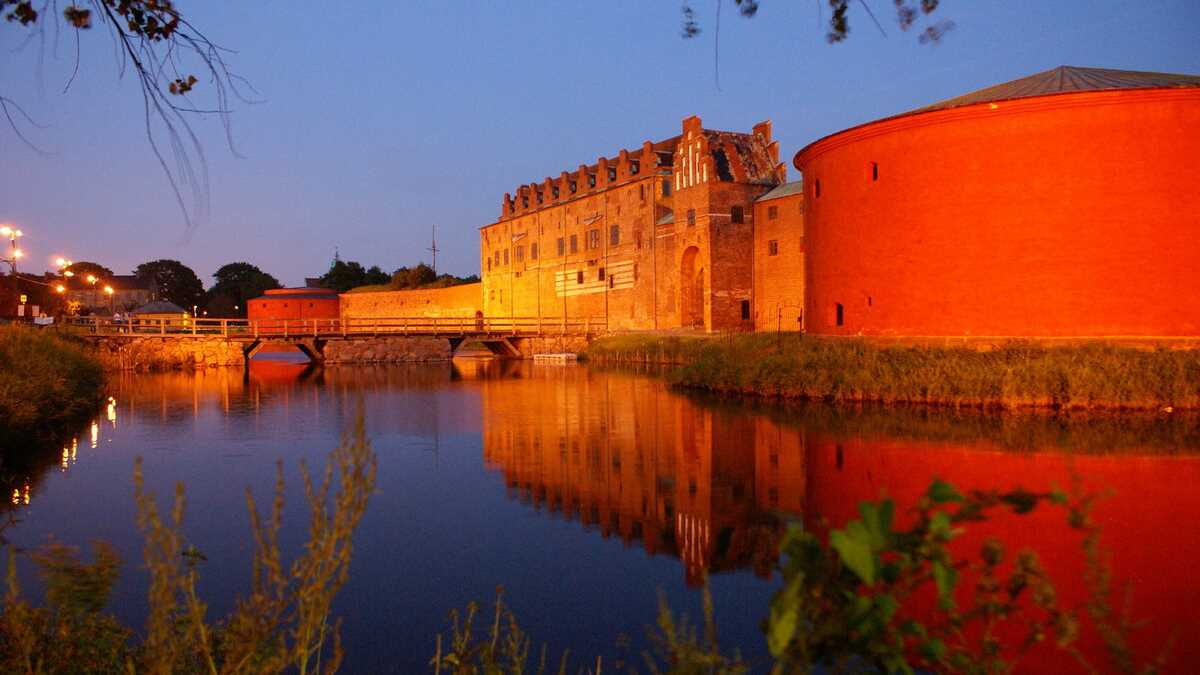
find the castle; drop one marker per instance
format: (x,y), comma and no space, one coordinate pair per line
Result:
(1060,204)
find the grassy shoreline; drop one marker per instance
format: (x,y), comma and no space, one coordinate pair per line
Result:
(1014,375)
(46,380)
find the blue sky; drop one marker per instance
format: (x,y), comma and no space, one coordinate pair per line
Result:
(381,119)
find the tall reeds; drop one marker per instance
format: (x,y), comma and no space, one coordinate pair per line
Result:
(285,624)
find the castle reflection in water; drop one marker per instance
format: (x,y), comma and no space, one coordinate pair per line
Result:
(626,457)
(715,484)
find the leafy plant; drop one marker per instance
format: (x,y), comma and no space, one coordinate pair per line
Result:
(283,625)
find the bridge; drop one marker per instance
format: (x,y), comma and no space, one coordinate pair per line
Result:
(224,341)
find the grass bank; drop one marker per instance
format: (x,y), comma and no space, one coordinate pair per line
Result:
(46,379)
(1017,374)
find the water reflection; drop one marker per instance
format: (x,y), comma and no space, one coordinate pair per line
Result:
(628,458)
(695,486)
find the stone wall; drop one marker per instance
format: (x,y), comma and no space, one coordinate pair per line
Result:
(155,353)
(779,263)
(454,301)
(387,350)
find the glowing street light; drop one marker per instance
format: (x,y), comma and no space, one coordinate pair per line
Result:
(91,279)
(13,234)
(60,288)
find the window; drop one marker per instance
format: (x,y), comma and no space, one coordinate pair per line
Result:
(666,188)
(533,251)
(772,212)
(579,278)
(489,266)
(505,256)
(562,246)
(574,243)
(637,239)
(745,310)
(736,215)
(841,314)
(611,280)
(817,187)
(641,192)
(591,180)
(593,240)
(519,253)
(614,235)
(497,257)
(874,171)
(600,274)
(501,295)
(691,216)
(574,186)
(634,167)
(773,247)
(612,174)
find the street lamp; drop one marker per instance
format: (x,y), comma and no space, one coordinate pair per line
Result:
(109,291)
(13,234)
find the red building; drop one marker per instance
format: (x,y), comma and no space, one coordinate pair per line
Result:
(1061,204)
(293,304)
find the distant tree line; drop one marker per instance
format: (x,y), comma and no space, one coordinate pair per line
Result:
(344,276)
(236,283)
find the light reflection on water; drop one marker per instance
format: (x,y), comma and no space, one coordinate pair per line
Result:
(584,492)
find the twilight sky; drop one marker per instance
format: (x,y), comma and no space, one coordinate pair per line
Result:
(381,120)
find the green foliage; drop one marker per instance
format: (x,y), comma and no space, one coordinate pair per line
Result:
(172,281)
(47,380)
(1016,374)
(848,605)
(283,625)
(413,277)
(506,649)
(72,634)
(907,14)
(343,276)
(854,602)
(236,283)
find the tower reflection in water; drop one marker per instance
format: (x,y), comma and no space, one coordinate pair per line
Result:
(714,485)
(628,458)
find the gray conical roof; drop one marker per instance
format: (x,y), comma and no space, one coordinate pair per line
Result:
(1067,80)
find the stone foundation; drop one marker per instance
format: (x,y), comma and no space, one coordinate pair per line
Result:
(573,344)
(387,350)
(155,353)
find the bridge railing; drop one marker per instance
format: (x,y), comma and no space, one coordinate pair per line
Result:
(297,328)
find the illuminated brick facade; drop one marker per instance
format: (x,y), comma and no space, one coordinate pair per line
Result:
(632,242)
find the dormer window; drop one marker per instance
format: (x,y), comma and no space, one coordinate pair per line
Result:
(612,174)
(591,181)
(574,187)
(634,167)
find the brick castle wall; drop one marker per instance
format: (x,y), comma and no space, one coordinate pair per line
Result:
(463,300)
(779,263)
(613,241)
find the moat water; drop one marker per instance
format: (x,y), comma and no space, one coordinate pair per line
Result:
(586,494)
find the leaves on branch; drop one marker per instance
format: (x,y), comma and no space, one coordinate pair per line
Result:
(78,17)
(907,14)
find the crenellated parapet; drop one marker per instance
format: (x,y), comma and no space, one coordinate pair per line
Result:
(607,172)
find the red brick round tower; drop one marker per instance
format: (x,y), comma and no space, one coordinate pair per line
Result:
(1066,203)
